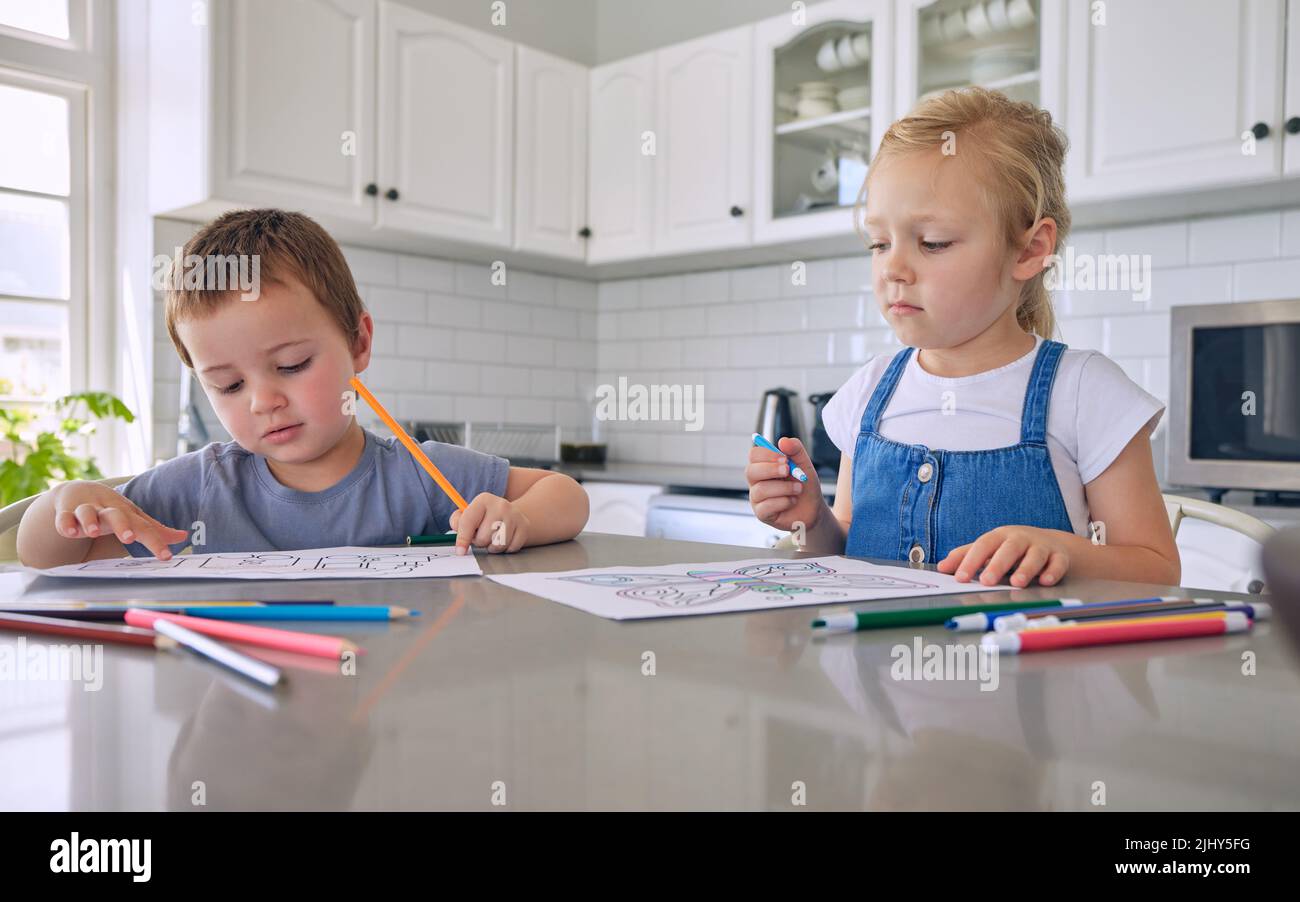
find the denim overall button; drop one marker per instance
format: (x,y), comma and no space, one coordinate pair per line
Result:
(925,472)
(917,554)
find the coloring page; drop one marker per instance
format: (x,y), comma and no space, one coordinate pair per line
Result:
(346,562)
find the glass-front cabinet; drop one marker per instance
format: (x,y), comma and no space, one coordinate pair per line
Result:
(823,89)
(1014,46)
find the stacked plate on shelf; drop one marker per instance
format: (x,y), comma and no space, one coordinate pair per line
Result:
(815,98)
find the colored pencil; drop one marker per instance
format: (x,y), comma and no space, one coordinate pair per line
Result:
(55,626)
(418,453)
(284,640)
(252,668)
(1145,630)
(306,612)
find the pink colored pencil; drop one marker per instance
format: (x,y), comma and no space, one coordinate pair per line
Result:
(263,636)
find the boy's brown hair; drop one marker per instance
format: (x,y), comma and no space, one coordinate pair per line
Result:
(289,246)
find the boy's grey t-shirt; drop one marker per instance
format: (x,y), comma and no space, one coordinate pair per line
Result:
(385,498)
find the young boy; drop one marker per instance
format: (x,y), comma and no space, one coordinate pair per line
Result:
(301,472)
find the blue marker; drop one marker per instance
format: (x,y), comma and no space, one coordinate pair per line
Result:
(794,471)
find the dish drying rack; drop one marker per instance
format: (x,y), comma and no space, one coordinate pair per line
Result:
(522,444)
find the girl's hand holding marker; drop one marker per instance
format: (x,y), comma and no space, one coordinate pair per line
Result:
(783,485)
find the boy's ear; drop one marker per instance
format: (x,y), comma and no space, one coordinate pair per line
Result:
(362,343)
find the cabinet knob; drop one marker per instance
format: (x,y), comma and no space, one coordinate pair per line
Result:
(736,211)
(391,194)
(584,232)
(372,189)
(1260,130)
(1293,125)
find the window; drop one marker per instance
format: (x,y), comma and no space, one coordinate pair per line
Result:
(39,211)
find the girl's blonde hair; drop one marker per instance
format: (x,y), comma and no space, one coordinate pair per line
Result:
(1017,156)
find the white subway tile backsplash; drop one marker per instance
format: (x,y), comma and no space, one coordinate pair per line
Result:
(395,305)
(756,283)
(530,351)
(853,274)
(425,273)
(1165,242)
(1291,233)
(1266,281)
(577,294)
(423,341)
(1136,336)
(368,266)
(449,344)
(451,312)
(700,288)
(661,291)
(530,288)
(621,295)
(1229,239)
(481,280)
(806,278)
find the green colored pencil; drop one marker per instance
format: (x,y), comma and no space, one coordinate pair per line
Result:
(879,620)
(445,538)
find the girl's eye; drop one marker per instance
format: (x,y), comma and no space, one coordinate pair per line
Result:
(231,389)
(875,246)
(297,367)
(935,245)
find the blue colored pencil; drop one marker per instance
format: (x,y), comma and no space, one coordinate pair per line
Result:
(306,612)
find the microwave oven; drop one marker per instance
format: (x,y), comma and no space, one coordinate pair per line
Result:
(1234,397)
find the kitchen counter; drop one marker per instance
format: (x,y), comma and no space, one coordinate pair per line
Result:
(493,686)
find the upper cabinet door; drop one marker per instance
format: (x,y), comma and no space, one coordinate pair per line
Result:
(296,129)
(811,154)
(704,142)
(622,169)
(551,159)
(1150,116)
(1291,112)
(446,128)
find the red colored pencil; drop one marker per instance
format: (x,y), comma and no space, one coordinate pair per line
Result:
(1137,631)
(129,635)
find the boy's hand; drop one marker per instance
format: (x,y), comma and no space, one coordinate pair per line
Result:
(1040,552)
(490,522)
(778,498)
(88,510)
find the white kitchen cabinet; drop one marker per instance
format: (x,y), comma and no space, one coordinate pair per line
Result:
(809,166)
(446,128)
(622,173)
(551,155)
(619,507)
(703,99)
(1023,58)
(1291,110)
(236,120)
(1157,116)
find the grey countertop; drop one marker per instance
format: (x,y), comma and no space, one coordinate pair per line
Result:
(492,691)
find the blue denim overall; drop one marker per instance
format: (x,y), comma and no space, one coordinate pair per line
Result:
(911,502)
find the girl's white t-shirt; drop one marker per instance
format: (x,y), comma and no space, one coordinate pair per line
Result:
(1094,411)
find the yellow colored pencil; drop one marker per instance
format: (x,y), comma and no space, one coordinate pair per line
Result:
(421,458)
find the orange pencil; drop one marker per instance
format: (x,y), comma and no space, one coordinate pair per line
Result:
(421,458)
(285,640)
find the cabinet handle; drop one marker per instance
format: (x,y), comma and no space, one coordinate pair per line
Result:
(584,232)
(1293,125)
(736,211)
(1260,130)
(391,194)
(372,189)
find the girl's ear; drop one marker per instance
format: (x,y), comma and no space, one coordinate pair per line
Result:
(1039,244)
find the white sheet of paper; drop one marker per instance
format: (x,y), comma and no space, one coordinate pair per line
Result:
(674,590)
(344,562)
